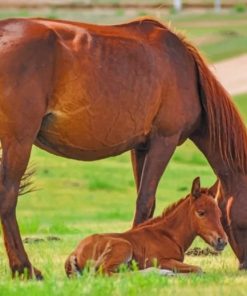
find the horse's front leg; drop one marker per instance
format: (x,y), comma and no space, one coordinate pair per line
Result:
(236,209)
(158,155)
(15,156)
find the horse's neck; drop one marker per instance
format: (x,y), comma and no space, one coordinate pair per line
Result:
(178,225)
(234,183)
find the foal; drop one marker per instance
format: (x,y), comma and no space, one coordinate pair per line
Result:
(162,240)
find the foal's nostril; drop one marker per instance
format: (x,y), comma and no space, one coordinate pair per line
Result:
(221,242)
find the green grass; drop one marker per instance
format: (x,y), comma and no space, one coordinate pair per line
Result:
(75,199)
(78,198)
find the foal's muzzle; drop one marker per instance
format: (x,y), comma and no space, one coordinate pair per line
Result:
(219,244)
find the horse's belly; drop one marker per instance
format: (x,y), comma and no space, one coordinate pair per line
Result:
(86,136)
(102,104)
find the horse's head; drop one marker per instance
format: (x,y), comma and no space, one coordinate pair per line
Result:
(206,215)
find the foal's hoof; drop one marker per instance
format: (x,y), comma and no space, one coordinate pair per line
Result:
(198,270)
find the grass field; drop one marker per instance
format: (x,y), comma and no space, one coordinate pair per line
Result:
(76,199)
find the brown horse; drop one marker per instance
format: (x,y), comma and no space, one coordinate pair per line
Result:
(88,92)
(162,240)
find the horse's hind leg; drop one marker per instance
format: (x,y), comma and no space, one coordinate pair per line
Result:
(137,158)
(158,155)
(14,162)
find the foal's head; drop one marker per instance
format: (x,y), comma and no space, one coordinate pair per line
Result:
(205,215)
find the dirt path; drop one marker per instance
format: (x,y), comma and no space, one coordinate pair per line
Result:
(232,74)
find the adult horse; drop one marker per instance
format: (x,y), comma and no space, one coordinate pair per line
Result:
(88,92)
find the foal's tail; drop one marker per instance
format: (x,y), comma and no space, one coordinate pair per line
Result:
(224,125)
(71,266)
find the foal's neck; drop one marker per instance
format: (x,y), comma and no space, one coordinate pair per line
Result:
(179,226)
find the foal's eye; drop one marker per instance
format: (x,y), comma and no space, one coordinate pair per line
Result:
(201,213)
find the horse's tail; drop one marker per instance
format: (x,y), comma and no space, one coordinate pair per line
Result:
(71,266)
(224,125)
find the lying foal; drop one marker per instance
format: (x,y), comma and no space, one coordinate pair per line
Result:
(162,240)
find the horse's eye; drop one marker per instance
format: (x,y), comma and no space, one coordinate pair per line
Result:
(201,213)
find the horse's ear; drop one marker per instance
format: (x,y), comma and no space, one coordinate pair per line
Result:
(196,188)
(215,189)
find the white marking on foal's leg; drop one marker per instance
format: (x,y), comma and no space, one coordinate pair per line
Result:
(165,272)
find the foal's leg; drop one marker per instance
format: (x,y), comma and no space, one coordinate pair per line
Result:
(178,266)
(159,153)
(14,162)
(118,251)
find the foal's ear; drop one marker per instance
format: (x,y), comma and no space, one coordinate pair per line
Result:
(196,188)
(215,189)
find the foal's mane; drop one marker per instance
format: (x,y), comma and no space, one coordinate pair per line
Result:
(169,210)
(224,125)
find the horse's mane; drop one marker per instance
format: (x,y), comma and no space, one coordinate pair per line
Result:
(224,125)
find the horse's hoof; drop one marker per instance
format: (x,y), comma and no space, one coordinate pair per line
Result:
(243,266)
(37,274)
(26,273)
